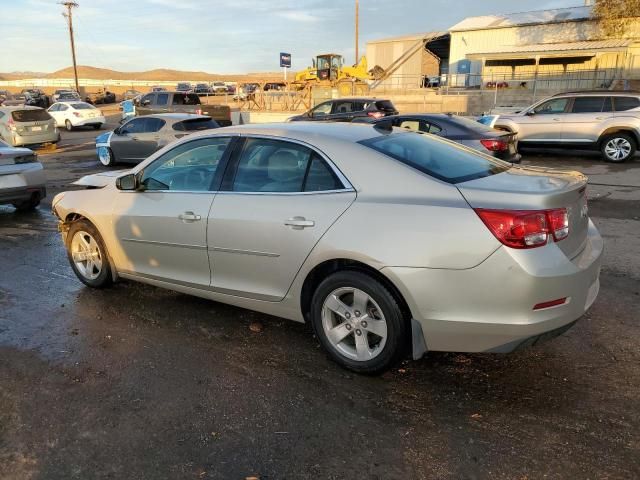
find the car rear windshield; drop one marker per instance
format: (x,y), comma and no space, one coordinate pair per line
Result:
(38,115)
(186,99)
(385,106)
(82,106)
(436,157)
(195,124)
(469,124)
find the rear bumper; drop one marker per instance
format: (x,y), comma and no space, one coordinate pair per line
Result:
(490,307)
(20,182)
(24,140)
(80,122)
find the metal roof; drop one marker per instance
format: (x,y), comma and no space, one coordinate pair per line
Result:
(557,15)
(558,47)
(415,37)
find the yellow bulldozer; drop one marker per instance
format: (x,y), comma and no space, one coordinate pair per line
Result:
(329,69)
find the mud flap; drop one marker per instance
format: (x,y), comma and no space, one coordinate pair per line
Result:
(418,345)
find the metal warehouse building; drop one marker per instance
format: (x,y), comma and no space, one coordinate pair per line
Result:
(550,45)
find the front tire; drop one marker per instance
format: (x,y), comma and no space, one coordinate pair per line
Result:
(88,255)
(68,126)
(618,147)
(106,157)
(358,322)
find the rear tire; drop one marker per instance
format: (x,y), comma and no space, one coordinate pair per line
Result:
(27,205)
(97,126)
(618,147)
(358,322)
(68,126)
(87,255)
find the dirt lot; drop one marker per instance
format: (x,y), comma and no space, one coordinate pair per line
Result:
(135,382)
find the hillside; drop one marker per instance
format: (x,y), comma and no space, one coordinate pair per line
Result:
(160,74)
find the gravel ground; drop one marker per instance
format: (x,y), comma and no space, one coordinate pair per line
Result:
(137,382)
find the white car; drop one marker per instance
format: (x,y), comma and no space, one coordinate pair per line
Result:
(76,114)
(22,179)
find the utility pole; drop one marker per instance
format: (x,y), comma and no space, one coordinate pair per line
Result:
(69,16)
(357,19)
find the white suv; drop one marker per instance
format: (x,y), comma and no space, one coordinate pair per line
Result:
(608,121)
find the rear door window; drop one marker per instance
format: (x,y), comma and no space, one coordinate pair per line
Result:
(163,99)
(342,107)
(587,105)
(435,157)
(186,99)
(30,115)
(153,124)
(625,103)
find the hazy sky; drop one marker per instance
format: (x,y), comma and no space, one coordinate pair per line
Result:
(219,36)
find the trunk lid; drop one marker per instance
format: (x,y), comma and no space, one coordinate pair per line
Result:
(535,188)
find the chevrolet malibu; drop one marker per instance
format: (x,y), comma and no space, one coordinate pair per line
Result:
(387,241)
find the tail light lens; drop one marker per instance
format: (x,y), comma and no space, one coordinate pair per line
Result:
(495,145)
(12,125)
(198,111)
(76,114)
(376,114)
(526,228)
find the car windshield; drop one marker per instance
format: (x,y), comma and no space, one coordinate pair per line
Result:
(82,106)
(36,115)
(436,157)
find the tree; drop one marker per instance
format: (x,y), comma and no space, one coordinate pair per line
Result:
(615,16)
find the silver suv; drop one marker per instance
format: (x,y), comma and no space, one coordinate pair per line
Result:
(608,121)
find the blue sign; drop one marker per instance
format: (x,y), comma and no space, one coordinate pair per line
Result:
(285,60)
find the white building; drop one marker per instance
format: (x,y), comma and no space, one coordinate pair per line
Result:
(556,45)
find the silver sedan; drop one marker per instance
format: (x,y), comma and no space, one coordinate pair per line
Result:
(387,242)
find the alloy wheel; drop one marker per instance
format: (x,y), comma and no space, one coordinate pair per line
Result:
(86,255)
(617,149)
(354,324)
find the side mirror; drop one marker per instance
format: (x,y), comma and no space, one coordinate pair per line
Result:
(128,182)
(530,113)
(118,131)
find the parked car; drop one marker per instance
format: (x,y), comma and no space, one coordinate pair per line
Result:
(158,89)
(202,88)
(181,102)
(4,94)
(346,109)
(384,241)
(219,87)
(274,86)
(38,97)
(101,96)
(184,87)
(17,99)
(66,93)
(140,137)
(22,180)
(24,125)
(76,114)
(606,121)
(461,130)
(131,94)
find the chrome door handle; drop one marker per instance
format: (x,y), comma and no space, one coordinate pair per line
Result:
(601,118)
(189,217)
(298,223)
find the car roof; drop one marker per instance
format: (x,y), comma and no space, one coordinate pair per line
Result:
(590,93)
(176,116)
(309,132)
(11,108)
(366,99)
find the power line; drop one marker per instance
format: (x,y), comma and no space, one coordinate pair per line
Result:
(69,16)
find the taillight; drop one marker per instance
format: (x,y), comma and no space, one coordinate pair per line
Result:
(12,125)
(495,145)
(76,114)
(198,111)
(375,114)
(526,228)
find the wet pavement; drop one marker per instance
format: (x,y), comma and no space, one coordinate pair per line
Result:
(135,382)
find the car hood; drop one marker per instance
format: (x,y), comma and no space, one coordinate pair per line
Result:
(100,179)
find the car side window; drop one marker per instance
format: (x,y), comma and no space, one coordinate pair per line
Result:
(320,177)
(133,126)
(625,103)
(608,105)
(343,107)
(322,109)
(587,105)
(552,107)
(153,124)
(54,108)
(63,107)
(188,167)
(163,99)
(410,125)
(431,128)
(148,98)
